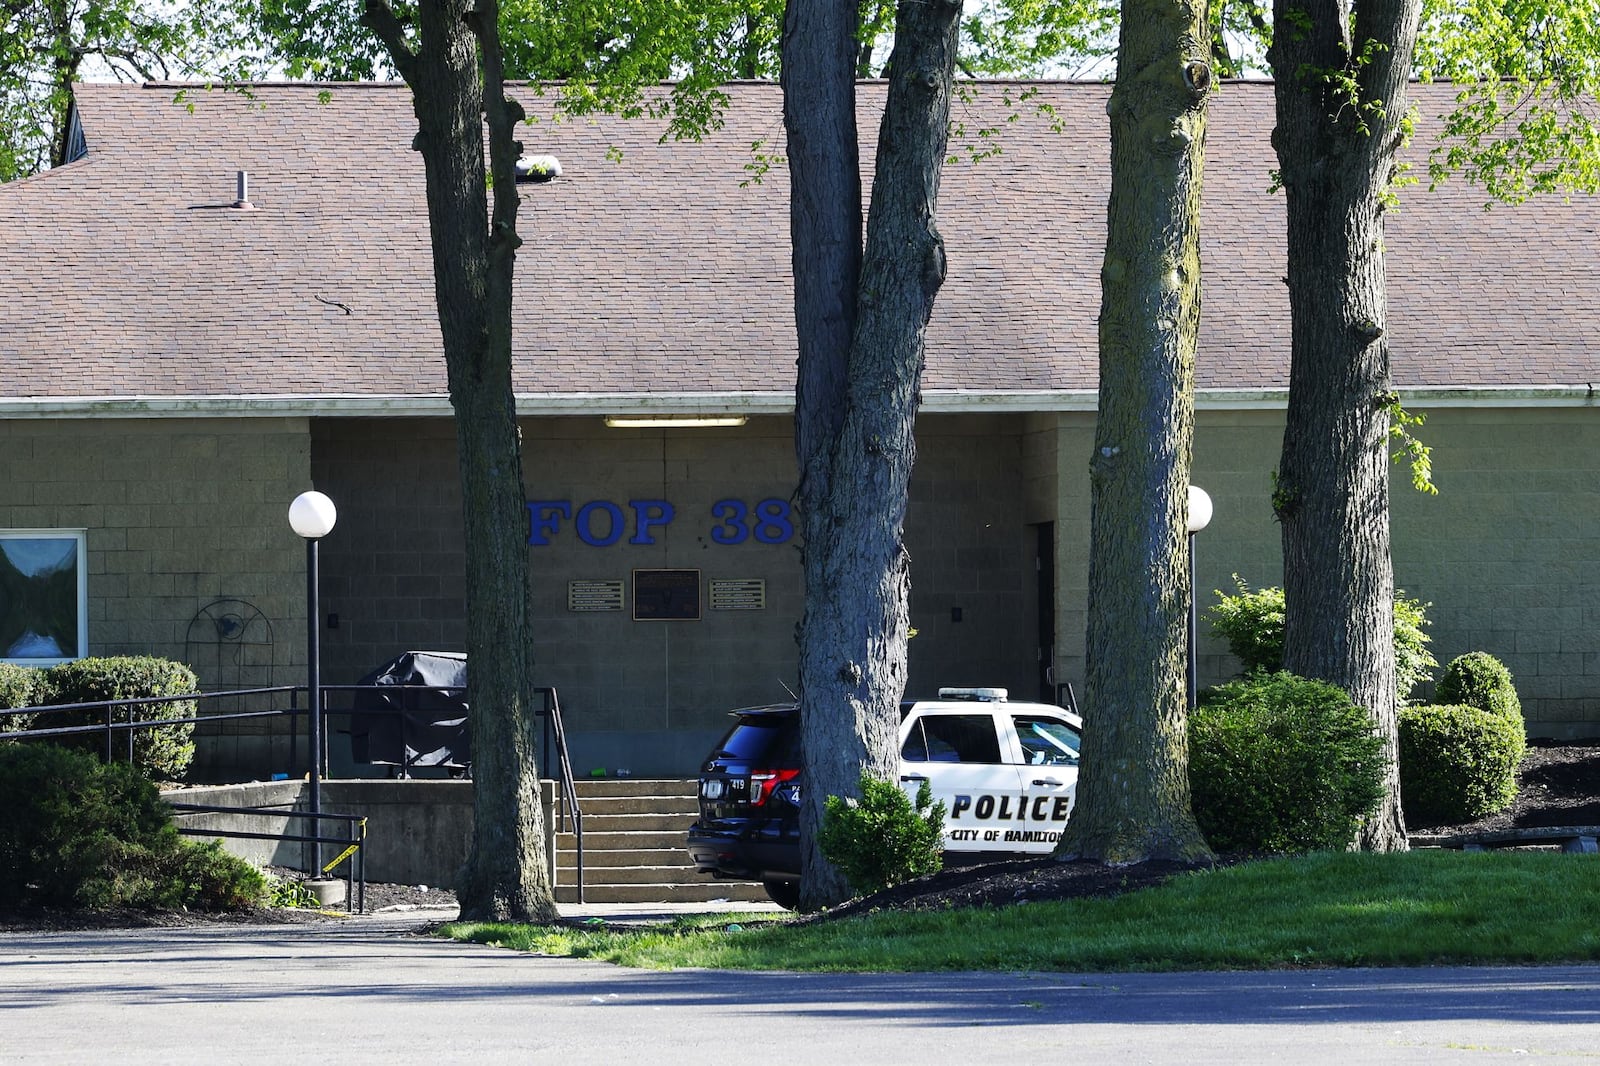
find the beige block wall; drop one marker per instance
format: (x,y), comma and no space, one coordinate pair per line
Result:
(649,692)
(180,514)
(1507,554)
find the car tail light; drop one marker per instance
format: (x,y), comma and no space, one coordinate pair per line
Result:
(762,782)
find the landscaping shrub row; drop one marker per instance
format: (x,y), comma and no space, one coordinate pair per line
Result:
(1282,764)
(161,753)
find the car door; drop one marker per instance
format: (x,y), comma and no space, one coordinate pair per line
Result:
(1046,745)
(959,753)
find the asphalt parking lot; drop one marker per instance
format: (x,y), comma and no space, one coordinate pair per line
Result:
(371,989)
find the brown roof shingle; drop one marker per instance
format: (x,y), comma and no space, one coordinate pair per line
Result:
(129,273)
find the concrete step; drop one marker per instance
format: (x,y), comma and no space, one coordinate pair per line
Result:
(629,875)
(593,860)
(701,892)
(677,805)
(594,822)
(630,840)
(635,786)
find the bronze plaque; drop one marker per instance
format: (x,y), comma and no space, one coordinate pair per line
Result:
(666,595)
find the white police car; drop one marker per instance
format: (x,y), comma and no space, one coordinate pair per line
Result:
(1006,773)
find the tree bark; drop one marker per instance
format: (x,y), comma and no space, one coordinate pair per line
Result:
(1133,786)
(456,81)
(819,114)
(854,430)
(1340,90)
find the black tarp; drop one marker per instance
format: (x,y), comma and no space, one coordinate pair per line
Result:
(416,715)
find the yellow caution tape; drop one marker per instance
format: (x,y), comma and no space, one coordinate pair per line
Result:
(341,857)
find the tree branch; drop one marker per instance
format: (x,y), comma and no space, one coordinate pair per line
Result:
(379,17)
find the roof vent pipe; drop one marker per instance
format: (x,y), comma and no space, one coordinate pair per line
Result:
(243,200)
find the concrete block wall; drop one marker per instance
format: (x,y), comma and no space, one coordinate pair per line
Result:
(179,513)
(1507,554)
(652,696)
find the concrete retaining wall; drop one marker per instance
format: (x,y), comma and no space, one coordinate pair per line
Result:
(418,832)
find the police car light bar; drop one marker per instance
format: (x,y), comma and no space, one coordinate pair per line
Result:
(986,695)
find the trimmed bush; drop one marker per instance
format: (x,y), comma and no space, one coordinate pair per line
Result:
(17,687)
(1457,762)
(1482,681)
(75,832)
(1281,764)
(1252,624)
(162,753)
(881,839)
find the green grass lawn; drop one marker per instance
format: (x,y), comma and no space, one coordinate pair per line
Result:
(1337,909)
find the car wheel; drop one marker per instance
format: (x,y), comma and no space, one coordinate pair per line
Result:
(784,893)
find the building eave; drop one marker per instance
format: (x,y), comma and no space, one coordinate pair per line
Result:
(532,405)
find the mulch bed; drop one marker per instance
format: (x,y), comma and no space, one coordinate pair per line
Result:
(1559,786)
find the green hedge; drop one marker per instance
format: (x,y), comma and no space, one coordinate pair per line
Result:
(1457,762)
(162,753)
(1479,679)
(75,832)
(18,685)
(1279,763)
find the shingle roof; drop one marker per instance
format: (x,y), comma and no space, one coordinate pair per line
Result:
(129,273)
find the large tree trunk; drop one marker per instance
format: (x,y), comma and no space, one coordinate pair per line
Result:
(505,877)
(854,431)
(1133,787)
(1338,127)
(819,112)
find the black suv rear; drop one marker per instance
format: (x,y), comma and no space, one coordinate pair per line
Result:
(749,825)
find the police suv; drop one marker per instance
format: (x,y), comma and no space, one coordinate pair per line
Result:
(1006,773)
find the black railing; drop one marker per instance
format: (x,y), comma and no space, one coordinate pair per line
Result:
(119,720)
(353,857)
(555,738)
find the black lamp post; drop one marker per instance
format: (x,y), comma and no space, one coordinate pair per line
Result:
(312,516)
(1199,518)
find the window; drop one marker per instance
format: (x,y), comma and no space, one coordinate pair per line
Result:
(1046,741)
(44,596)
(952,738)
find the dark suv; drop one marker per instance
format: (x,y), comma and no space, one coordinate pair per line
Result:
(1005,772)
(749,825)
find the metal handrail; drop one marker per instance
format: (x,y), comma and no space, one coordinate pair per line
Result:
(554,728)
(569,788)
(355,877)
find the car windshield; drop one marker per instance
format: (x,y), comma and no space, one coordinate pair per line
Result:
(1046,741)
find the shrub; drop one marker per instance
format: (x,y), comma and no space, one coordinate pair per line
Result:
(1278,763)
(17,689)
(75,832)
(162,753)
(1482,681)
(881,839)
(1252,624)
(1457,762)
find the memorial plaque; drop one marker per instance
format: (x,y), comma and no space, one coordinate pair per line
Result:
(666,595)
(594,595)
(739,594)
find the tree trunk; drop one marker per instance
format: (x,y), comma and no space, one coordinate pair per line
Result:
(855,480)
(819,113)
(1133,786)
(505,877)
(1338,127)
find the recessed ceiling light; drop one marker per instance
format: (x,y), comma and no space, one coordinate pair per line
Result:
(674,421)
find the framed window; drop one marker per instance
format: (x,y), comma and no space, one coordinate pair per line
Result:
(44,596)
